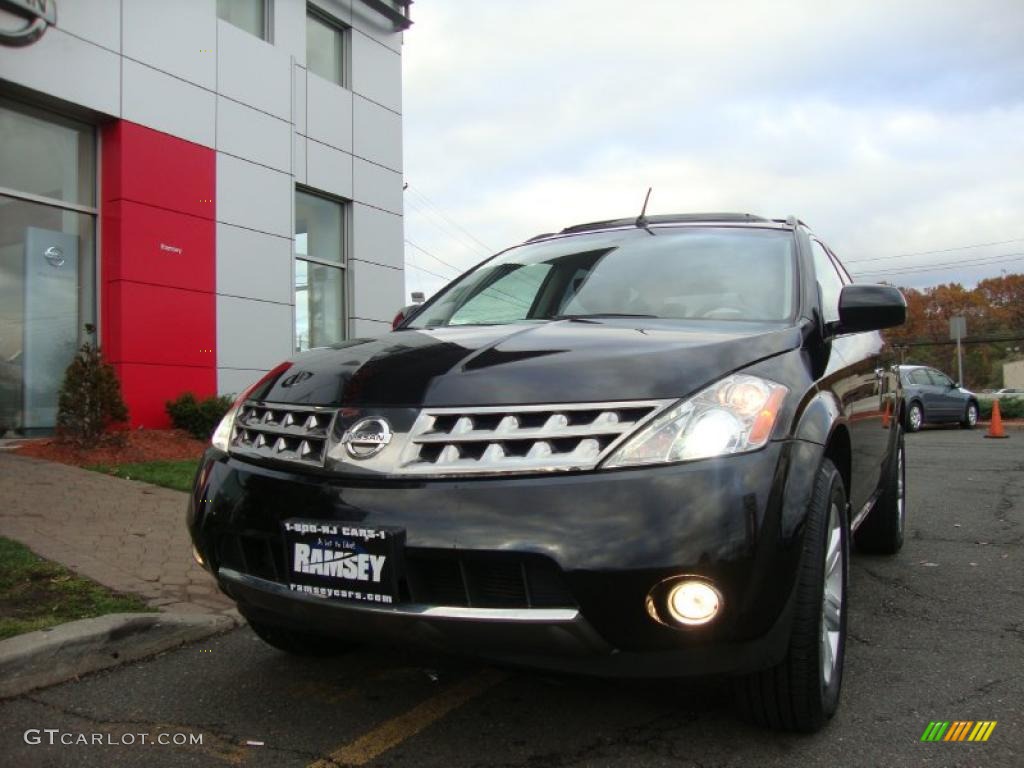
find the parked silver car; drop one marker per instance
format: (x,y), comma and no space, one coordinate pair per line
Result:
(932,397)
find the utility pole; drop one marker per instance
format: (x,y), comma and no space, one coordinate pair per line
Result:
(957,330)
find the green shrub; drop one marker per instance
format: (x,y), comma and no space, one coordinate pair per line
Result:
(198,417)
(1009,407)
(90,399)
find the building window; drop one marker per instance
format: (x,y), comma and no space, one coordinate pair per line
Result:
(319,271)
(326,47)
(251,15)
(47,261)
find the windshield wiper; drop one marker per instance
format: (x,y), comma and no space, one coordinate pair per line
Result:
(598,316)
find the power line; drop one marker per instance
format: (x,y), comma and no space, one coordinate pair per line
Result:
(983,261)
(442,214)
(432,219)
(458,270)
(928,253)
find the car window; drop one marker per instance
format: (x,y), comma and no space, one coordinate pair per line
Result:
(829,280)
(939,379)
(505,300)
(687,273)
(919,376)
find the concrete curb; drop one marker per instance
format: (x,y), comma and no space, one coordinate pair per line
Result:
(51,656)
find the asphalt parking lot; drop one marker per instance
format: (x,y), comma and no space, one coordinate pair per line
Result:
(936,633)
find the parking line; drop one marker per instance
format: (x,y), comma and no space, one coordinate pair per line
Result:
(393,732)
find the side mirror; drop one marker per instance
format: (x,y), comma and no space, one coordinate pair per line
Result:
(870,308)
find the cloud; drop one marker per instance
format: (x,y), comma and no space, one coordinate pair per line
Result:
(890,129)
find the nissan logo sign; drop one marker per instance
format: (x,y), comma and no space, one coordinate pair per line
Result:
(22,22)
(367,438)
(54,256)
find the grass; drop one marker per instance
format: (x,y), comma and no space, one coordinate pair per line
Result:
(170,474)
(36,593)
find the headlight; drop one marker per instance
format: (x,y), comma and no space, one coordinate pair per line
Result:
(733,415)
(221,439)
(222,434)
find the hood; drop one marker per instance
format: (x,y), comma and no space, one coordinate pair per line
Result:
(553,362)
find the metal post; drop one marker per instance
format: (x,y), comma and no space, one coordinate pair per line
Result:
(959,362)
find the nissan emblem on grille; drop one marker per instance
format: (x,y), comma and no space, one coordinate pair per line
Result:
(367,438)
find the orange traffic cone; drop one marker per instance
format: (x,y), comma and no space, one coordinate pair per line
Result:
(886,417)
(995,427)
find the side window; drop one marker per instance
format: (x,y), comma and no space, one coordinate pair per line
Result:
(506,300)
(939,379)
(920,377)
(829,280)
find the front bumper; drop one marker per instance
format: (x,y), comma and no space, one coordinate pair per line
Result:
(612,535)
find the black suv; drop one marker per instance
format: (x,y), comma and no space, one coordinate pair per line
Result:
(628,448)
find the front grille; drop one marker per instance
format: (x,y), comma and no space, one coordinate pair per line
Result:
(432,577)
(520,438)
(293,433)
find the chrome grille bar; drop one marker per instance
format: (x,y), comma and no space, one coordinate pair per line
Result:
(534,438)
(283,432)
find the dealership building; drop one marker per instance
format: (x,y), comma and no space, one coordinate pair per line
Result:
(203,187)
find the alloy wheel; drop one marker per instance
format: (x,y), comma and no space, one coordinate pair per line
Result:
(916,418)
(832,597)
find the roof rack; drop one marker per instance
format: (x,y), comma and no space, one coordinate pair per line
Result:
(666,218)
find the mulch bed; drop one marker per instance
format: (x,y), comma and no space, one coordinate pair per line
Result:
(128,447)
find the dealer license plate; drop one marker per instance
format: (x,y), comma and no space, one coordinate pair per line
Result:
(345,561)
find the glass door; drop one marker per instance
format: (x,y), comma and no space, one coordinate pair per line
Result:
(47,259)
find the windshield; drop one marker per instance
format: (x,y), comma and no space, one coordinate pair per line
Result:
(713,273)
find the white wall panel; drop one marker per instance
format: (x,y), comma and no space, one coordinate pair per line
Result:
(167,104)
(290,28)
(377,291)
(329,112)
(253,265)
(376,186)
(178,38)
(98,21)
(253,135)
(374,25)
(249,195)
(362,329)
(47,64)
(234,381)
(253,71)
(376,72)
(299,163)
(377,236)
(328,169)
(252,334)
(299,98)
(377,134)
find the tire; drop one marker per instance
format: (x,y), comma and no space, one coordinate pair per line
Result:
(299,643)
(802,692)
(970,420)
(883,531)
(915,417)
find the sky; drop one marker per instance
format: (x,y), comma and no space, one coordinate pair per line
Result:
(891,128)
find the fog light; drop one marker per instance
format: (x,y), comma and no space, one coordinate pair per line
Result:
(693,602)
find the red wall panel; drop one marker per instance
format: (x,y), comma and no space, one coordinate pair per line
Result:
(157,169)
(155,245)
(147,387)
(158,310)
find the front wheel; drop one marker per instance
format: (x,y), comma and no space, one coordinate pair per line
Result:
(915,417)
(970,420)
(802,692)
